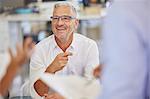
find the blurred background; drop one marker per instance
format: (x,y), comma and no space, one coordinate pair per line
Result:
(22,18)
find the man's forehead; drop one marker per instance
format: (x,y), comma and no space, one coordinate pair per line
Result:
(63,10)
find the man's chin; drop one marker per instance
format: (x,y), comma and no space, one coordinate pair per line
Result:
(62,37)
(61,31)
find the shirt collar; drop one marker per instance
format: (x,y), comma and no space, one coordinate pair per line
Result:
(72,46)
(74,42)
(54,44)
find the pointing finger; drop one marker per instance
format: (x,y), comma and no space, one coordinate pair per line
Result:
(67,54)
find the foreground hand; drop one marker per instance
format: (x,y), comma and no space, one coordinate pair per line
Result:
(53,96)
(97,71)
(22,52)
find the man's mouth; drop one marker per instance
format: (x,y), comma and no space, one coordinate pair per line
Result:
(60,29)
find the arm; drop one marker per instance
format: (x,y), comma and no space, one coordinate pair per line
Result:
(124,72)
(16,61)
(36,69)
(40,87)
(58,64)
(8,78)
(92,60)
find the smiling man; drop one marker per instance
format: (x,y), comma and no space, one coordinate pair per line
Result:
(63,53)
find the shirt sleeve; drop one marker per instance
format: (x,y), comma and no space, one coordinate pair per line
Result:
(92,60)
(36,69)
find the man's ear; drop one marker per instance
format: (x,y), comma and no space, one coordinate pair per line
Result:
(76,23)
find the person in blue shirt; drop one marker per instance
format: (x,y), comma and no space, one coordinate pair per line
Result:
(126,46)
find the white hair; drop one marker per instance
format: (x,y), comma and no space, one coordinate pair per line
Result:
(68,4)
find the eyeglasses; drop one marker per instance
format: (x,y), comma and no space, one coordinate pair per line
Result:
(63,18)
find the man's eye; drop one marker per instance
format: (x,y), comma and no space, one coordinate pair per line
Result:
(55,18)
(66,18)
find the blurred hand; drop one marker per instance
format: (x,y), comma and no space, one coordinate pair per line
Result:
(23,52)
(53,96)
(60,61)
(97,71)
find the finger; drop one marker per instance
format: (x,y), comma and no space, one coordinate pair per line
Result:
(51,96)
(31,50)
(63,63)
(10,53)
(33,45)
(64,58)
(28,45)
(67,54)
(58,96)
(48,98)
(60,55)
(97,71)
(19,49)
(27,42)
(45,95)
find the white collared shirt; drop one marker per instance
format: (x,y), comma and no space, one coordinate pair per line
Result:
(84,59)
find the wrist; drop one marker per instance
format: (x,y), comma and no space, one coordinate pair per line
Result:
(13,64)
(50,69)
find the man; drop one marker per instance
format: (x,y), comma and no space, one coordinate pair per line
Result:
(64,53)
(22,54)
(126,72)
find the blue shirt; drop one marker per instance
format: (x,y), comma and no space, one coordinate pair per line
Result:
(126,39)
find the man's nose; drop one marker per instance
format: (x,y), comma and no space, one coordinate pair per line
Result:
(60,21)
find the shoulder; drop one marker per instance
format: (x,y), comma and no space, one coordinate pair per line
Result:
(42,48)
(45,42)
(83,39)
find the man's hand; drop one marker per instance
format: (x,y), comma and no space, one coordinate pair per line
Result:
(53,96)
(59,62)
